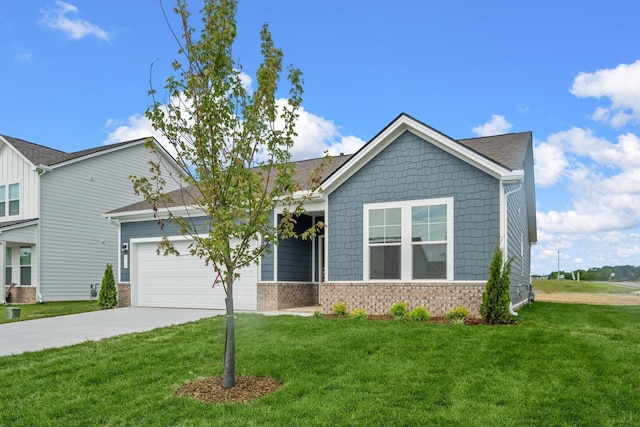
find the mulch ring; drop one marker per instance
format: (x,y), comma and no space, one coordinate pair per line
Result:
(247,389)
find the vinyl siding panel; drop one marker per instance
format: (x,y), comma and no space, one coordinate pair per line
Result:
(76,241)
(411,168)
(14,169)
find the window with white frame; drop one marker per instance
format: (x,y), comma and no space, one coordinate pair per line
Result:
(8,275)
(410,240)
(25,265)
(9,200)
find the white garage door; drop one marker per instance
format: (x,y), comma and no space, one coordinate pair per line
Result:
(184,281)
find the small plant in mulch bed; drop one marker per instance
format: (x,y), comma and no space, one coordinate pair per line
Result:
(458,315)
(419,314)
(399,310)
(340,309)
(359,313)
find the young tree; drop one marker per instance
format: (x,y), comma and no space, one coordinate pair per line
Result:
(234,145)
(495,298)
(108,297)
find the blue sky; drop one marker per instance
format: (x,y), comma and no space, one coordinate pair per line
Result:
(75,75)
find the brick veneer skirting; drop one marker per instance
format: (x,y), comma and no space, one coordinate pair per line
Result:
(377,298)
(276,296)
(22,295)
(124,294)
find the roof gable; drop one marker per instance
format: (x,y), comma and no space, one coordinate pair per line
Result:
(500,158)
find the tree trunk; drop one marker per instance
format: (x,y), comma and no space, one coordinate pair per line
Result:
(230,342)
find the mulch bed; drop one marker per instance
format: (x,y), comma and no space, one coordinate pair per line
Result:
(247,389)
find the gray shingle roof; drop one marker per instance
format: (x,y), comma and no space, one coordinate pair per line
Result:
(508,150)
(303,169)
(41,155)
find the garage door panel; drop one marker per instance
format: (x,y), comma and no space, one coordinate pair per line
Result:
(184,281)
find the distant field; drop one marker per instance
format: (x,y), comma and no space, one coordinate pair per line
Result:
(560,286)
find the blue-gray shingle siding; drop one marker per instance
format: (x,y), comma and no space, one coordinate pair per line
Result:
(411,168)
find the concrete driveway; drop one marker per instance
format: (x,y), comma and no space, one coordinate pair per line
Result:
(39,334)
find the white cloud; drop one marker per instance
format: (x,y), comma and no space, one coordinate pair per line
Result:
(315,135)
(496,126)
(24,58)
(58,18)
(621,85)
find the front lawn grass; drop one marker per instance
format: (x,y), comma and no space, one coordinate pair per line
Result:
(48,309)
(563,286)
(560,365)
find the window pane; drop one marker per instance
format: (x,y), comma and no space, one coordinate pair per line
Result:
(3,194)
(420,233)
(393,216)
(25,256)
(394,234)
(384,262)
(437,232)
(376,217)
(14,207)
(420,214)
(2,208)
(14,191)
(376,234)
(430,261)
(8,256)
(438,213)
(25,275)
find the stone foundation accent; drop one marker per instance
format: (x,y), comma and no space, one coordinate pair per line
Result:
(281,295)
(124,295)
(22,295)
(377,298)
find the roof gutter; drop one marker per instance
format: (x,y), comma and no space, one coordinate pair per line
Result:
(42,169)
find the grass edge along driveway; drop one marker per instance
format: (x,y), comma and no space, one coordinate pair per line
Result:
(560,365)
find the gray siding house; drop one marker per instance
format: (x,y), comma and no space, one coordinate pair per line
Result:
(54,242)
(413,216)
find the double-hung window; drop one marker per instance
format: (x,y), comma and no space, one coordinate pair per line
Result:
(25,265)
(410,240)
(9,200)
(8,274)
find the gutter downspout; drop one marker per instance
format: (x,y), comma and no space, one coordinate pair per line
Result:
(506,231)
(41,170)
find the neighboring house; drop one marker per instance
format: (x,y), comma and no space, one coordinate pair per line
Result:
(54,243)
(413,216)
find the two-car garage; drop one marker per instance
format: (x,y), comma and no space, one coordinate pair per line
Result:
(183,281)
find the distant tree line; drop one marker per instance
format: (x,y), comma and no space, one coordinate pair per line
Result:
(619,273)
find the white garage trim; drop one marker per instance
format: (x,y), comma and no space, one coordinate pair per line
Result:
(183,281)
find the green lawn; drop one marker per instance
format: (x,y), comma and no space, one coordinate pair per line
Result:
(561,365)
(48,309)
(560,286)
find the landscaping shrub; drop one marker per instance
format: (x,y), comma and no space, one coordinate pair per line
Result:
(108,297)
(340,309)
(495,298)
(399,310)
(457,313)
(419,314)
(359,313)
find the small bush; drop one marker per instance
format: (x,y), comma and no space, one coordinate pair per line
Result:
(419,314)
(399,310)
(358,313)
(458,313)
(108,297)
(317,314)
(340,309)
(494,308)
